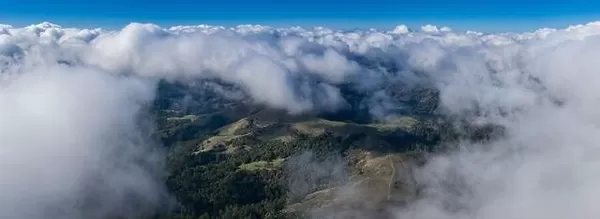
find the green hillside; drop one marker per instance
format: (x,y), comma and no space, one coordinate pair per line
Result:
(232,159)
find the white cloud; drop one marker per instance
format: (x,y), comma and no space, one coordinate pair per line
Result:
(400,29)
(60,125)
(71,145)
(430,28)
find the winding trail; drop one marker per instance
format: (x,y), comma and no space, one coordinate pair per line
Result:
(392,178)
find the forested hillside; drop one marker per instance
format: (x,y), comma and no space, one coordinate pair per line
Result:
(230,159)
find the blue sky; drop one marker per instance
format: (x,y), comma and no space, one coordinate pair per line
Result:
(493,16)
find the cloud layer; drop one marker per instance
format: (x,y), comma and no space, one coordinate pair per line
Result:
(72,147)
(72,100)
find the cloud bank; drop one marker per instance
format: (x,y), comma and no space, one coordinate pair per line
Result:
(72,146)
(72,101)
